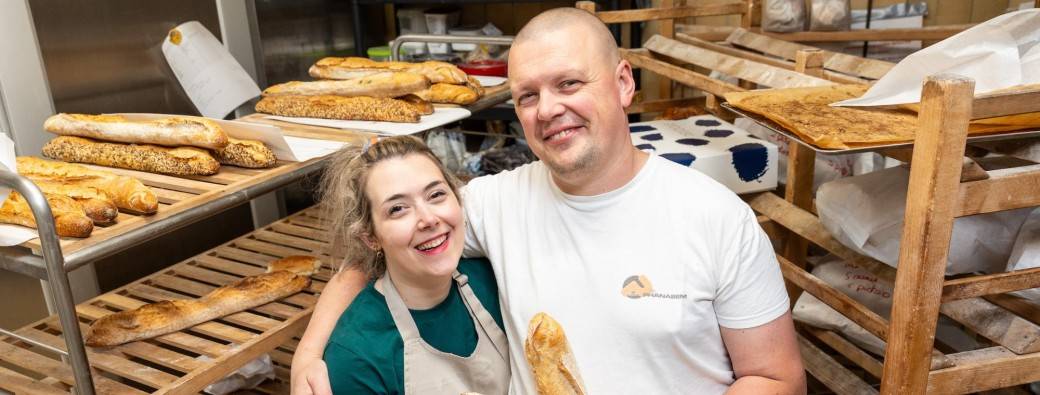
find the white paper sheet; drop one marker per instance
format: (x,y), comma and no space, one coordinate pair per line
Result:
(213,80)
(999,53)
(11,234)
(440,116)
(306,149)
(270,135)
(486,80)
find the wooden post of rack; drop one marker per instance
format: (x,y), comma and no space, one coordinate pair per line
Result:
(931,204)
(667,29)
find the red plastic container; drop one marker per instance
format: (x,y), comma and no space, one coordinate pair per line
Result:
(494,68)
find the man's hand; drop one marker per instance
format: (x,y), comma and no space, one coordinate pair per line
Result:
(766,359)
(311,379)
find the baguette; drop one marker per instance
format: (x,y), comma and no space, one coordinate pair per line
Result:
(301,265)
(449,94)
(245,153)
(69,219)
(475,85)
(383,84)
(151,158)
(333,68)
(172,131)
(168,316)
(424,107)
(337,107)
(96,204)
(128,193)
(555,370)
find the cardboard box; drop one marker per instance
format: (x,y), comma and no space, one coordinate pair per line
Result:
(724,152)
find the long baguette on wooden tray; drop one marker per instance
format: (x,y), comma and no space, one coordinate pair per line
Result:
(128,193)
(69,218)
(151,158)
(449,94)
(360,108)
(382,84)
(172,131)
(96,204)
(334,68)
(245,153)
(552,362)
(156,319)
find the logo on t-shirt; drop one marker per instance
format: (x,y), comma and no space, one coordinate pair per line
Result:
(639,286)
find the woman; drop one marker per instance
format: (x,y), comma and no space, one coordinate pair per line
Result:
(430,323)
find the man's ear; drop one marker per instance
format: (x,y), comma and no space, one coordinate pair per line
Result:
(626,83)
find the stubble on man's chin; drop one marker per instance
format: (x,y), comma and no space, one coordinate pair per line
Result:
(584,164)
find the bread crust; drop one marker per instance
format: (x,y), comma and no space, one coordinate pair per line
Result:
(69,218)
(381,84)
(550,357)
(172,131)
(151,158)
(301,265)
(156,319)
(337,107)
(245,153)
(449,94)
(128,193)
(335,68)
(96,204)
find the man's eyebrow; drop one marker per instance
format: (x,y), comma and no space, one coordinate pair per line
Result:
(401,195)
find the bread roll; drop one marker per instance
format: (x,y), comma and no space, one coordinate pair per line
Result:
(338,107)
(169,316)
(128,193)
(245,153)
(384,84)
(96,204)
(301,265)
(69,219)
(449,94)
(555,370)
(352,67)
(151,158)
(172,131)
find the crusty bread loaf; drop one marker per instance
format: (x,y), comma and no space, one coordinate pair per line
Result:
(384,84)
(169,316)
(144,157)
(352,67)
(475,85)
(301,265)
(423,106)
(128,193)
(245,153)
(69,219)
(96,204)
(449,94)
(172,131)
(338,107)
(555,370)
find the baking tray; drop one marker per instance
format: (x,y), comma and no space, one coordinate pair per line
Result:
(769,124)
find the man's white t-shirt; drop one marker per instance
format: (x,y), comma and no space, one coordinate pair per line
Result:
(640,278)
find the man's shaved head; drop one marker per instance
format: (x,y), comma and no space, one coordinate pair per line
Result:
(591,30)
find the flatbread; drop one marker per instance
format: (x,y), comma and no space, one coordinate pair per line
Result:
(807,113)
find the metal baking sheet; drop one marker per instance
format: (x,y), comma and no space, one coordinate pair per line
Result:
(769,124)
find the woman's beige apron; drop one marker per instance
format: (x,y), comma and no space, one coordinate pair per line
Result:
(430,371)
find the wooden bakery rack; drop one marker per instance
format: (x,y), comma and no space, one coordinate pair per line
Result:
(33,358)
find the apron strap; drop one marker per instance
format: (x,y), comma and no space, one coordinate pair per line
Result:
(402,317)
(486,321)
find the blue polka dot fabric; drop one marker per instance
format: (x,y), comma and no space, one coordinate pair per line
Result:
(714,147)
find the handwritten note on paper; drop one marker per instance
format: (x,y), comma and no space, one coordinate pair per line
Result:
(213,80)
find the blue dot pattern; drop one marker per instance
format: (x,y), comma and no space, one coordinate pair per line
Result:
(693,142)
(707,122)
(718,133)
(640,128)
(652,137)
(681,158)
(750,160)
(645,147)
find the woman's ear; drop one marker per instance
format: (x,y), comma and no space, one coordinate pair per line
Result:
(371,242)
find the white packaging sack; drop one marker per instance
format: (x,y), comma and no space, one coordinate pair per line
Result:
(1026,252)
(866,214)
(783,16)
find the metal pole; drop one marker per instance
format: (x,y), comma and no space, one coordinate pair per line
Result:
(870,10)
(57,278)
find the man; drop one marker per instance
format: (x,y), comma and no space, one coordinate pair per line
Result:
(662,278)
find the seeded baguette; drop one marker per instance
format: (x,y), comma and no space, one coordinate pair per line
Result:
(172,131)
(69,218)
(144,157)
(245,153)
(128,193)
(360,108)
